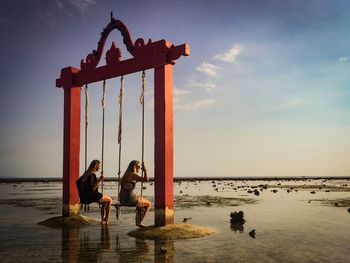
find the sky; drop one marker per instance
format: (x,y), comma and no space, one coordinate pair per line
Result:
(265,91)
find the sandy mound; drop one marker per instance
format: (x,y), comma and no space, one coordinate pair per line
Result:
(72,221)
(172,232)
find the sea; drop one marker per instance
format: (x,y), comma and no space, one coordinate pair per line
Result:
(286,220)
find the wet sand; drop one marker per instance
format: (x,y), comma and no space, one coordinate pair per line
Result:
(304,220)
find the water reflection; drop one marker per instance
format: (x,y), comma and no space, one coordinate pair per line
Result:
(78,246)
(70,244)
(164,251)
(87,245)
(237,228)
(129,253)
(106,241)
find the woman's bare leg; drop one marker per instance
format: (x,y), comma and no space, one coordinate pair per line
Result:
(106,208)
(147,205)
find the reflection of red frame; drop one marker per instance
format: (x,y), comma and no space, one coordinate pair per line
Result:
(160,56)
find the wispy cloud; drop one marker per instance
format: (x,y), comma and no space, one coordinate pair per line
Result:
(82,5)
(296,102)
(207,86)
(59,4)
(180,92)
(208,69)
(197,105)
(230,55)
(343,59)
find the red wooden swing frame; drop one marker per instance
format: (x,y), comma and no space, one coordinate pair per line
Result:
(160,56)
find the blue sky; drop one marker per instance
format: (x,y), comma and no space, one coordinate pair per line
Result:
(265,90)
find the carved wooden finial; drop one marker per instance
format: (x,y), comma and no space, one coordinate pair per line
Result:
(112,16)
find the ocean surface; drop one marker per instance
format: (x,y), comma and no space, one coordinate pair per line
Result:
(304,220)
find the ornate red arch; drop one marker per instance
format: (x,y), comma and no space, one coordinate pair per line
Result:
(160,56)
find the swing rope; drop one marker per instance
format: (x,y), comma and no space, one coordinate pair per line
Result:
(121,98)
(139,210)
(142,102)
(103,102)
(86,122)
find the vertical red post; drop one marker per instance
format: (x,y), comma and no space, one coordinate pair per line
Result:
(71,140)
(163,145)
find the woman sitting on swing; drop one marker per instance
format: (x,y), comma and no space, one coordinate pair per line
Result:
(91,192)
(127,196)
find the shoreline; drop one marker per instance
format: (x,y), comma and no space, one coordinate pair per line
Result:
(180,179)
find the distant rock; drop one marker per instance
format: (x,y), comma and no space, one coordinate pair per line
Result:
(186,219)
(252,233)
(237,217)
(274,191)
(256,192)
(312,192)
(349,210)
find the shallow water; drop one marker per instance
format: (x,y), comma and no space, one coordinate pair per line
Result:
(294,226)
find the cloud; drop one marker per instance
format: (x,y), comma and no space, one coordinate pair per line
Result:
(295,102)
(180,92)
(343,58)
(195,105)
(208,69)
(207,86)
(230,55)
(82,5)
(59,4)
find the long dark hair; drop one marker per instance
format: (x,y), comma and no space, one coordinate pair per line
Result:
(93,164)
(91,167)
(129,170)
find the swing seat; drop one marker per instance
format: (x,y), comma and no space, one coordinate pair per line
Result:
(139,209)
(85,205)
(118,204)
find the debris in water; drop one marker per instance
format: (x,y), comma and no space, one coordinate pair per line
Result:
(252,233)
(186,219)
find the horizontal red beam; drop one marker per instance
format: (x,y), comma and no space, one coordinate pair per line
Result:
(122,68)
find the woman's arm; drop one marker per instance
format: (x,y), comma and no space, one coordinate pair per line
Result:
(137,178)
(143,178)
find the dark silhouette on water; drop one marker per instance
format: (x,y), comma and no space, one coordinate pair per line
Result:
(237,221)
(252,233)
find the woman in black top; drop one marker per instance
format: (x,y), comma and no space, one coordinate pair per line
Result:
(91,193)
(128,182)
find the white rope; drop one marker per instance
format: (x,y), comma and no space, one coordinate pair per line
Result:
(120,128)
(86,121)
(103,102)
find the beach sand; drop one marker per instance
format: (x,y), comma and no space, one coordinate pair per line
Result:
(294,221)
